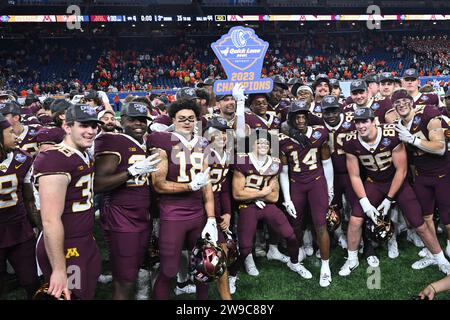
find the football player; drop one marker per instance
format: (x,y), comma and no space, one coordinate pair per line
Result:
(64,178)
(26,135)
(307,178)
(421,129)
(121,173)
(410,82)
(255,186)
(218,159)
(185,193)
(17,239)
(361,99)
(379,150)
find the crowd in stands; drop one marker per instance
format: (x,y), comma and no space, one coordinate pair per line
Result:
(138,64)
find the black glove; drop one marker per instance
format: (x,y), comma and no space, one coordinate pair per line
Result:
(301,138)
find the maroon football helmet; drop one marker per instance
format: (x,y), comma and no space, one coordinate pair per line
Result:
(208,261)
(333,218)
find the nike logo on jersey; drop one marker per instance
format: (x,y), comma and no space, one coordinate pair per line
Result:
(17,166)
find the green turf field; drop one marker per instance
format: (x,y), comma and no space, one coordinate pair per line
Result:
(398,281)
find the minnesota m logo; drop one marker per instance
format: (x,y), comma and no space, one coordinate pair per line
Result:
(72,252)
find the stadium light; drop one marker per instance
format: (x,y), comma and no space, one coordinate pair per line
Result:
(103,25)
(302,24)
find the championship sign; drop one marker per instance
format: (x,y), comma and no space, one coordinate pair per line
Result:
(241,53)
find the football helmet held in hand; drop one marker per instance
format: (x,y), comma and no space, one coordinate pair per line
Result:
(208,261)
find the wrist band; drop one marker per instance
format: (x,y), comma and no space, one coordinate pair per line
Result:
(433,288)
(390,199)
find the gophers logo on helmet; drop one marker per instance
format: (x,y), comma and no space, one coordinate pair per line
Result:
(208,261)
(382,231)
(333,218)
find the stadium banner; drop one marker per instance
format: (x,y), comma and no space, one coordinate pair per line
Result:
(241,53)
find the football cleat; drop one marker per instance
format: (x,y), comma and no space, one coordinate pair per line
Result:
(187,289)
(414,238)
(373,261)
(348,267)
(250,266)
(325,279)
(393,248)
(424,253)
(232,283)
(275,254)
(423,263)
(300,269)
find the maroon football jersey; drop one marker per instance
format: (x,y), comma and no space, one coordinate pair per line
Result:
(257,176)
(426,99)
(379,106)
(185,159)
(27,140)
(78,214)
(14,172)
(336,138)
(304,164)
(219,175)
(133,197)
(376,158)
(50,135)
(426,163)
(270,122)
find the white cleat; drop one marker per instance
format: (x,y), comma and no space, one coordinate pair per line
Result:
(187,289)
(275,254)
(414,238)
(300,269)
(424,253)
(447,251)
(325,279)
(301,254)
(373,261)
(250,266)
(445,268)
(309,250)
(348,267)
(423,263)
(393,248)
(105,278)
(318,254)
(232,283)
(342,241)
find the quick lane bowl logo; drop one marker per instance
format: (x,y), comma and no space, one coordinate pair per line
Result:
(88,109)
(346,125)
(386,74)
(222,121)
(274,167)
(417,120)
(141,108)
(385,142)
(20,158)
(190,92)
(241,53)
(409,72)
(240,48)
(375,106)
(329,99)
(316,135)
(424,98)
(356,83)
(359,112)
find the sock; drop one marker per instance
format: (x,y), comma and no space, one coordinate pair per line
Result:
(273,247)
(325,265)
(353,255)
(448,243)
(440,258)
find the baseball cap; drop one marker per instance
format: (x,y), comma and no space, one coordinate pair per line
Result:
(364,114)
(81,113)
(9,108)
(135,110)
(329,102)
(386,76)
(411,74)
(102,113)
(358,85)
(186,93)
